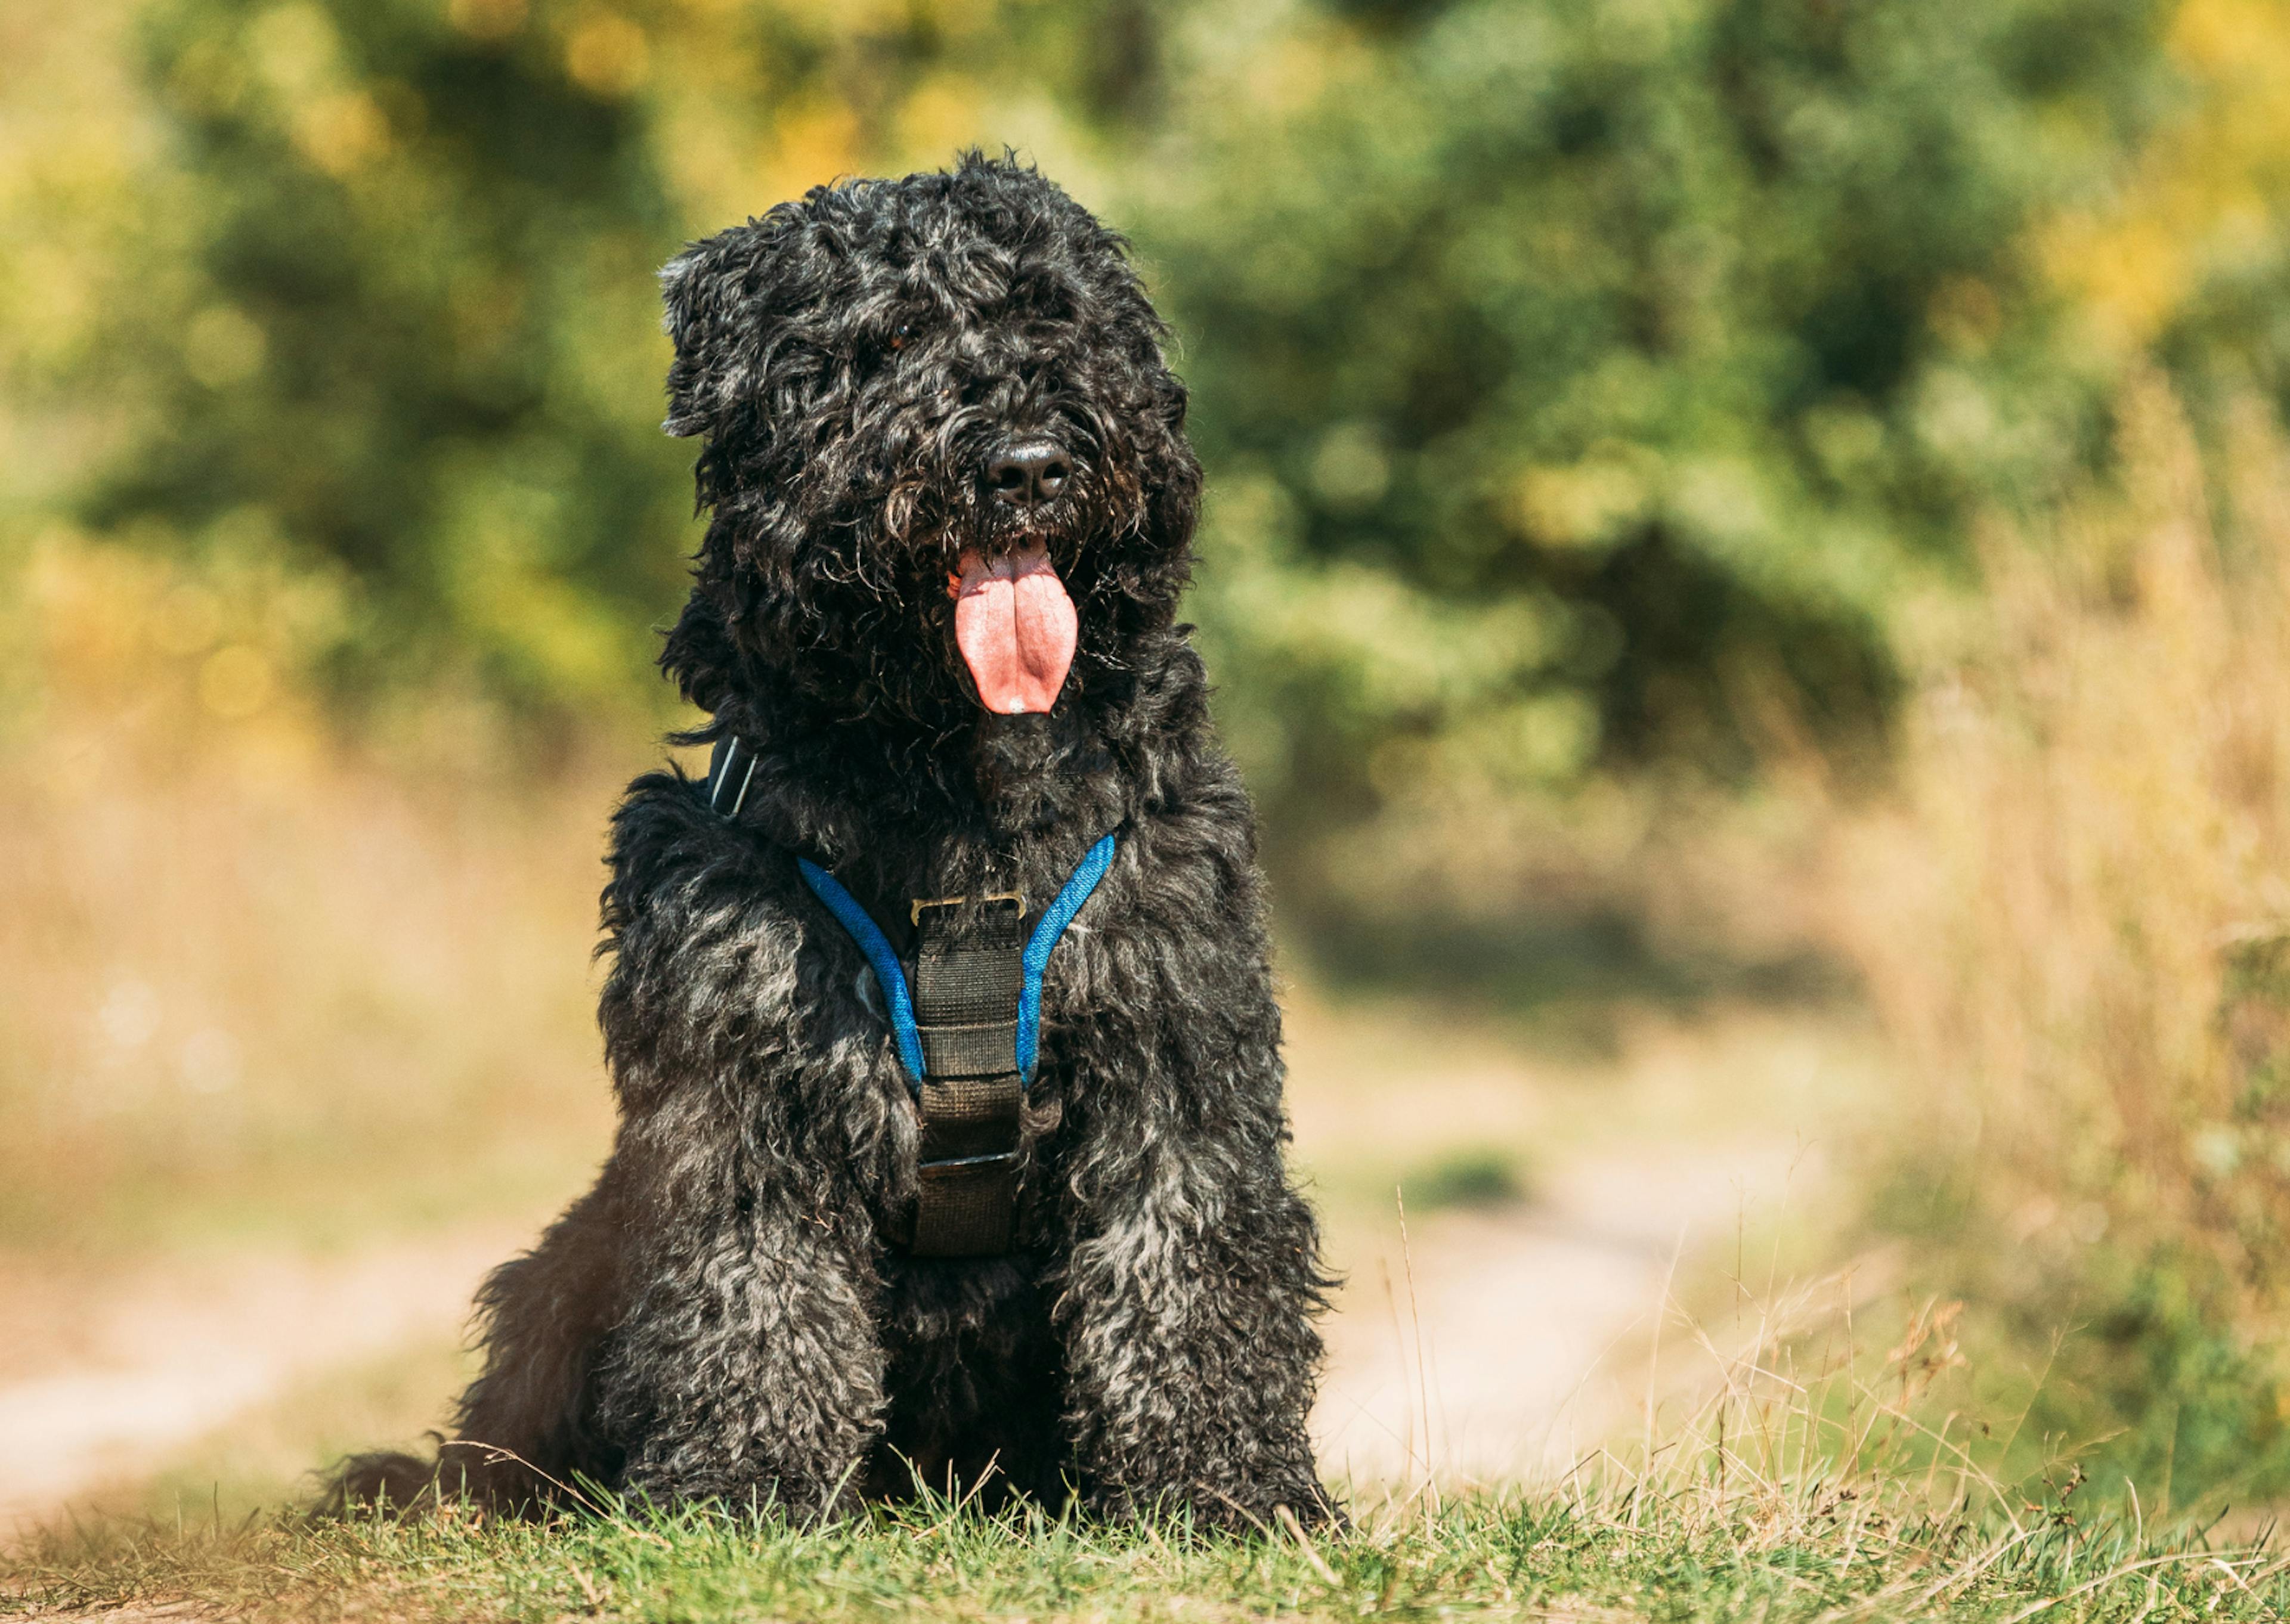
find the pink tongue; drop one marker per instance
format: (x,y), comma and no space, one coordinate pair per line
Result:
(1015,626)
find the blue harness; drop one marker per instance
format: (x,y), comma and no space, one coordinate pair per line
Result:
(967,1025)
(892,976)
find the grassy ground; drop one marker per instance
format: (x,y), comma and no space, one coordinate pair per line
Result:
(1821,1555)
(1808,1473)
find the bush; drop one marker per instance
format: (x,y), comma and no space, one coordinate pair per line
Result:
(1575,380)
(2075,925)
(1582,380)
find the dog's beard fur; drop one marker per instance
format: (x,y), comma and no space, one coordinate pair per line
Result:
(1024,765)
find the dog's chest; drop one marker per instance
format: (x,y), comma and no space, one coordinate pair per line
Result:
(961,988)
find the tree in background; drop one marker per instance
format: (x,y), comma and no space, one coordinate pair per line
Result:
(1582,381)
(403,327)
(1577,379)
(2188,261)
(414,245)
(1579,382)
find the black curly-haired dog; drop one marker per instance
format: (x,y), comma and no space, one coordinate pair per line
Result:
(976,1215)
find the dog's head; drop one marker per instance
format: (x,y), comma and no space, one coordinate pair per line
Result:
(945,457)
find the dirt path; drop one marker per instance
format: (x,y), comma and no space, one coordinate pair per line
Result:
(1494,1346)
(96,1391)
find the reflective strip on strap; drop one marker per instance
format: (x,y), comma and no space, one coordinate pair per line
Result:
(727,776)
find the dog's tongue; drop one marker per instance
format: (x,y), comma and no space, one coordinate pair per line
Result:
(1016,626)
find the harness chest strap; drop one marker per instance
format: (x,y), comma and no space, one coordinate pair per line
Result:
(967,1028)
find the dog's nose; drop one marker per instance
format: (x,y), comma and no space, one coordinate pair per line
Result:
(1028,473)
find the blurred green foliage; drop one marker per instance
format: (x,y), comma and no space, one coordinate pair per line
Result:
(413,354)
(1484,1176)
(2144,1359)
(1577,381)
(1584,379)
(409,328)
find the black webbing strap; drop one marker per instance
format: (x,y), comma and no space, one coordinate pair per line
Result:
(968,970)
(969,973)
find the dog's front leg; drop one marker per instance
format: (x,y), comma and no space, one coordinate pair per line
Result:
(747,1368)
(746,1364)
(1189,1296)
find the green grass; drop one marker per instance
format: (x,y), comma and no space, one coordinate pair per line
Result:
(1821,1556)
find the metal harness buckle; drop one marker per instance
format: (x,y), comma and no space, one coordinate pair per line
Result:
(915,908)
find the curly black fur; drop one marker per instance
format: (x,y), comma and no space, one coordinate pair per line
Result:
(723,1314)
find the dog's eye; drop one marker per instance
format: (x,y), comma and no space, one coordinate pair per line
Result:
(899,338)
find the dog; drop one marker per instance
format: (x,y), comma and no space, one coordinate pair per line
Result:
(873,1222)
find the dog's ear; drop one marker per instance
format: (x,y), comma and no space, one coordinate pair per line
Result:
(698,656)
(715,292)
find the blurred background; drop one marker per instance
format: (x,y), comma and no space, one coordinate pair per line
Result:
(1748,565)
